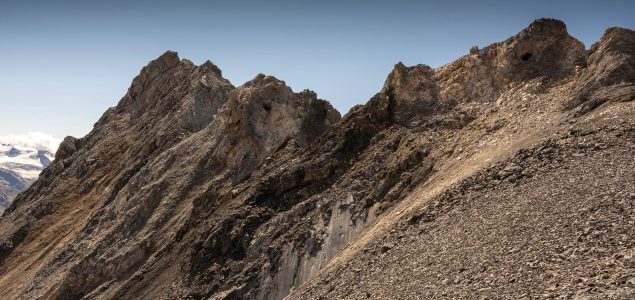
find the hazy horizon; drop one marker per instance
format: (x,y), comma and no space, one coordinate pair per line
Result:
(65,63)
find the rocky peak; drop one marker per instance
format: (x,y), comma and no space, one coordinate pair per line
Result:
(156,67)
(208,65)
(68,146)
(544,48)
(412,92)
(615,43)
(167,60)
(177,91)
(616,38)
(307,94)
(319,114)
(269,111)
(609,72)
(544,27)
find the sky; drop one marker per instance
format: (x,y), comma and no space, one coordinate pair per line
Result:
(63,63)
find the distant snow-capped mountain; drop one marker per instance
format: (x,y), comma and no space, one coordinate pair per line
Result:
(22,158)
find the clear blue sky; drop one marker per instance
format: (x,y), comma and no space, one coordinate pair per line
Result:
(63,63)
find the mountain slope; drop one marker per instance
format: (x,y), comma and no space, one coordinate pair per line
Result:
(554,220)
(536,199)
(193,188)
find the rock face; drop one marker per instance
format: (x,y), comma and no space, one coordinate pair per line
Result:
(542,49)
(480,178)
(413,92)
(175,147)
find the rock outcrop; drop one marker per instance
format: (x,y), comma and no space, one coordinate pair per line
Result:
(608,73)
(467,180)
(542,49)
(67,147)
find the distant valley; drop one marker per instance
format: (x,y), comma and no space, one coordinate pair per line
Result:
(22,158)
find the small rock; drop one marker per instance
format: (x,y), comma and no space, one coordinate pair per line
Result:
(387,246)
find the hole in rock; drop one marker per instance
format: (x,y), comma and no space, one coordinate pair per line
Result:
(266,106)
(526,56)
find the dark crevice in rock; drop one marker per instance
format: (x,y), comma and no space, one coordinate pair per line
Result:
(526,56)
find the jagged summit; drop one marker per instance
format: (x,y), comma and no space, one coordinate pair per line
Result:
(413,92)
(209,65)
(265,102)
(543,49)
(544,26)
(500,174)
(166,60)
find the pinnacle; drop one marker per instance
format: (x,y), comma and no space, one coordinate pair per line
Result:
(545,26)
(166,60)
(212,67)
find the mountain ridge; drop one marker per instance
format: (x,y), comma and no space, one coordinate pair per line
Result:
(213,191)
